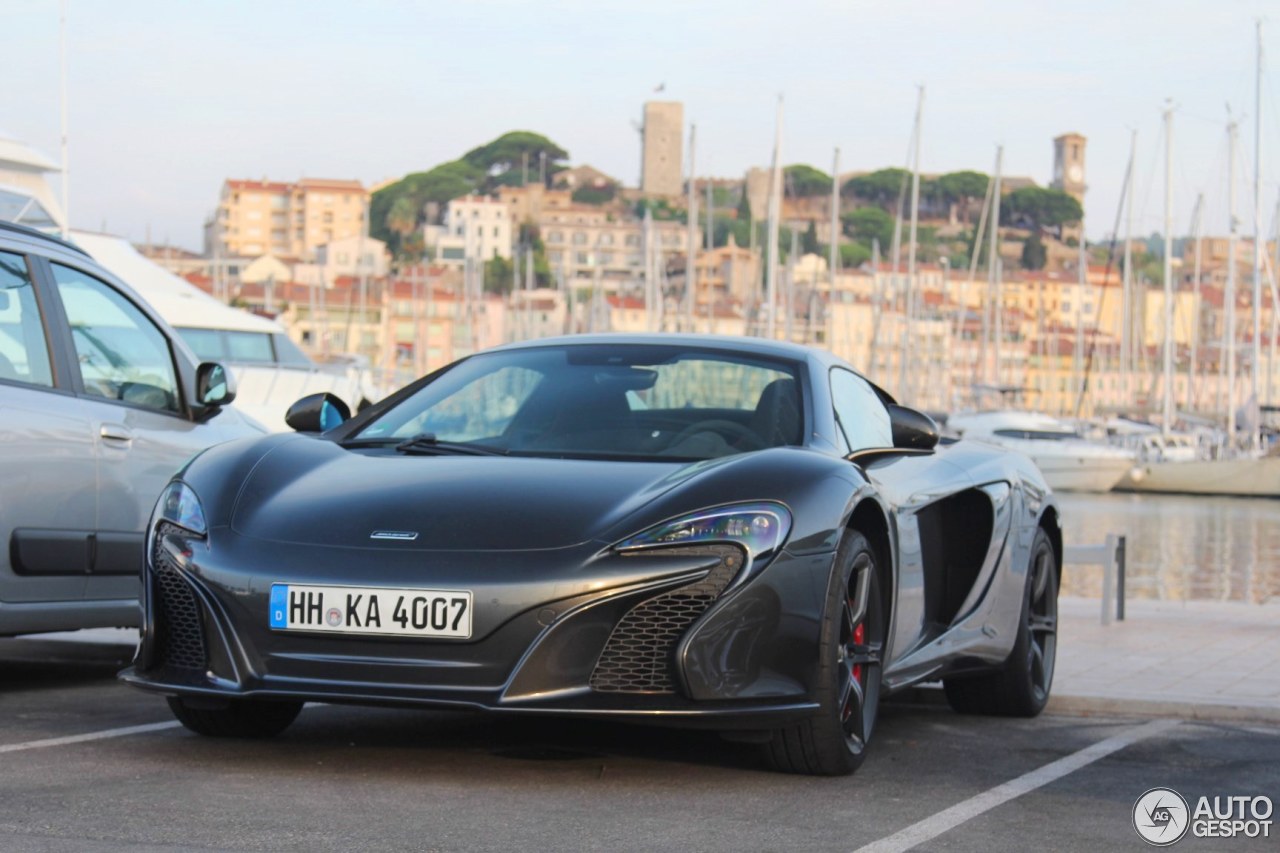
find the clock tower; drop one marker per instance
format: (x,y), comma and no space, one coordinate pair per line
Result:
(1068,165)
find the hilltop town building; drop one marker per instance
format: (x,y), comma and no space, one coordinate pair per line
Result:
(579,238)
(287,220)
(475,227)
(661,167)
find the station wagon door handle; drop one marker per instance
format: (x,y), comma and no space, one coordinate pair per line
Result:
(116,432)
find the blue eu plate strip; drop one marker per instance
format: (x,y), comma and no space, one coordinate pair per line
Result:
(279,605)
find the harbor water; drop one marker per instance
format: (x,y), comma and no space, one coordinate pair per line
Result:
(1179,548)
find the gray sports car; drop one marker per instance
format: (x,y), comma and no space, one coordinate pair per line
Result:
(729,533)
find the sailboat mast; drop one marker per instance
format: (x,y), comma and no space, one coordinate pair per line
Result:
(650,289)
(1082,282)
(1229,297)
(691,239)
(789,285)
(1197,229)
(833,250)
(993,269)
(775,203)
(908,339)
(709,245)
(1275,301)
(1256,439)
(1167,426)
(963,311)
(1126,331)
(66,161)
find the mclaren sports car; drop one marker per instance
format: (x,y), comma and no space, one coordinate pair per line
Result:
(728,533)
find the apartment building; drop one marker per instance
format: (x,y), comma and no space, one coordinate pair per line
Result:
(528,203)
(475,227)
(581,238)
(288,220)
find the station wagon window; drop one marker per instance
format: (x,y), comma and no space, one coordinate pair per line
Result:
(121,354)
(24,352)
(863,417)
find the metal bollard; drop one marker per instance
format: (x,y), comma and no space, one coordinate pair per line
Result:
(1120,561)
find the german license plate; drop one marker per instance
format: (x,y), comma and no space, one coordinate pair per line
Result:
(360,610)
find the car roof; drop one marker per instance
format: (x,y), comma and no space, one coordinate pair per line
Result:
(39,236)
(725,343)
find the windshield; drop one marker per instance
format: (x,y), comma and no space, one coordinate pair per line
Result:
(620,401)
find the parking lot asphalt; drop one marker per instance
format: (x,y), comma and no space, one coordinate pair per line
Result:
(347,778)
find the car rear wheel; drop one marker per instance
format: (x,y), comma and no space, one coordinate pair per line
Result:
(241,718)
(1020,688)
(833,742)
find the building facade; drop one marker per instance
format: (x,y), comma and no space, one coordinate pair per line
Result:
(475,227)
(289,220)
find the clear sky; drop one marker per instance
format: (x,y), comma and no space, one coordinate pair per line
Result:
(169,98)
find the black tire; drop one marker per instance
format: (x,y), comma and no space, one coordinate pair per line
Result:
(834,741)
(1020,688)
(241,718)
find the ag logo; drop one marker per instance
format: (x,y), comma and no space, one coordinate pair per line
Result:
(1161,816)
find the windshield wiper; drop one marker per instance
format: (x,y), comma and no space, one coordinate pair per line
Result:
(427,443)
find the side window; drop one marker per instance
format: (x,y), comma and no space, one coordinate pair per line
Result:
(862,416)
(121,354)
(24,352)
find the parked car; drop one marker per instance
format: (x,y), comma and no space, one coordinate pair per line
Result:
(721,532)
(100,402)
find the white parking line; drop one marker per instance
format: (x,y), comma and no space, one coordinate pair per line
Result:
(102,735)
(933,826)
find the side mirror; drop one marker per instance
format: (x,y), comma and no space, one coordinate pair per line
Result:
(912,429)
(317,413)
(215,385)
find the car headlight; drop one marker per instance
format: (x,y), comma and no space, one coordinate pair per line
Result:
(179,505)
(760,528)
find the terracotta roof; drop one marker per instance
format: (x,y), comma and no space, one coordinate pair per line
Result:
(625,302)
(268,186)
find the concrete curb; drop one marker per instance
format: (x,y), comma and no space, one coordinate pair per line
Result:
(1070,705)
(1133,706)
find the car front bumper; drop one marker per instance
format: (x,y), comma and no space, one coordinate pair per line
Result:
(547,627)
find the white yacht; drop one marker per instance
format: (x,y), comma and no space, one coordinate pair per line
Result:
(1069,461)
(271,372)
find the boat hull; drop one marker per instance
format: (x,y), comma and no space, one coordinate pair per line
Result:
(1083,473)
(1237,477)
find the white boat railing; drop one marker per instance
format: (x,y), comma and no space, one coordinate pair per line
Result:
(1111,556)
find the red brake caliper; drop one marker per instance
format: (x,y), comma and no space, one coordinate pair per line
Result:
(859,636)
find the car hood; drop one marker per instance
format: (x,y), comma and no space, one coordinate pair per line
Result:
(315,492)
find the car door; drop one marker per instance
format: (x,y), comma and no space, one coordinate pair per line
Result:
(910,483)
(48,470)
(125,373)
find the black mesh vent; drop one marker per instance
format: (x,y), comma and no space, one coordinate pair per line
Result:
(178,628)
(638,658)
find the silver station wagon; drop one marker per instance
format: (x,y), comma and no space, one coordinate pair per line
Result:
(100,402)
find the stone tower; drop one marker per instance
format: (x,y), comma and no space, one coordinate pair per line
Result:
(1068,165)
(661,166)
(1068,174)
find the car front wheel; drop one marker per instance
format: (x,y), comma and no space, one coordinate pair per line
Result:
(834,741)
